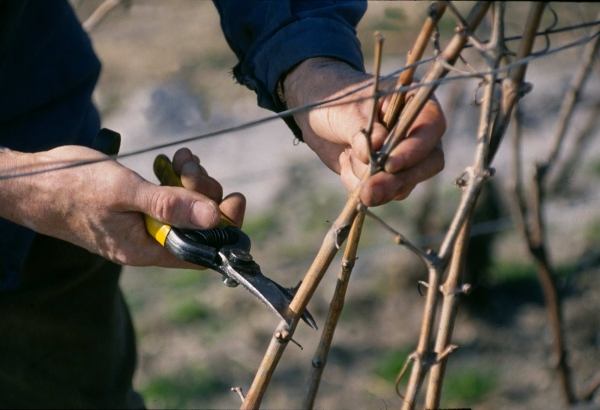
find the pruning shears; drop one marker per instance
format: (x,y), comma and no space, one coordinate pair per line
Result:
(225,249)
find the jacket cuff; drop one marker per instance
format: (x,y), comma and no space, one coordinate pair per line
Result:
(296,42)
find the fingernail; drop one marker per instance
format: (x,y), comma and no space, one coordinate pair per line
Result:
(203,214)
(377,195)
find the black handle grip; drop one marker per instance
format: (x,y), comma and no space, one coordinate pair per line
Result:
(107,142)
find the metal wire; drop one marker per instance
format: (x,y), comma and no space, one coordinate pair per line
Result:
(324,104)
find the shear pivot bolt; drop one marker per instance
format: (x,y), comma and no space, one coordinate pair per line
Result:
(229,282)
(241,257)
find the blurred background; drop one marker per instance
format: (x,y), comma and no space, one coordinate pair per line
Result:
(166,76)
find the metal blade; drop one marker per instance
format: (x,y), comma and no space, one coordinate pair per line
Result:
(274,296)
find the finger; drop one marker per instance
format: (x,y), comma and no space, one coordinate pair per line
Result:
(195,177)
(347,174)
(175,206)
(383,187)
(180,158)
(422,137)
(360,144)
(234,206)
(327,151)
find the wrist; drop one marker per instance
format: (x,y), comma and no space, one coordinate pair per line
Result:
(307,82)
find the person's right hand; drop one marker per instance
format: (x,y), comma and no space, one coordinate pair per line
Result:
(100,206)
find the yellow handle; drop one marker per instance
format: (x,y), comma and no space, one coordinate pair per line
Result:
(163,169)
(157,230)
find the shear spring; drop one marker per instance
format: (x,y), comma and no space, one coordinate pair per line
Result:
(215,237)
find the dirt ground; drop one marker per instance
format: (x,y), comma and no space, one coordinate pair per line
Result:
(166,76)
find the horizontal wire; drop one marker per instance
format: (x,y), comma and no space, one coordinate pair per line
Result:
(323,104)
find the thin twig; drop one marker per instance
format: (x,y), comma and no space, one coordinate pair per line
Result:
(239,391)
(401,239)
(565,168)
(94,19)
(570,100)
(534,232)
(369,131)
(335,309)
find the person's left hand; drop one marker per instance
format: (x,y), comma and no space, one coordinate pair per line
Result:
(334,133)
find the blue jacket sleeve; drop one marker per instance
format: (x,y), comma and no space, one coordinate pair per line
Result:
(270,37)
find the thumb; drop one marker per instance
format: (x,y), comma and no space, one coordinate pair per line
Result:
(177,206)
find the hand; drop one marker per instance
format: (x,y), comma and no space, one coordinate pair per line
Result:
(100,206)
(334,133)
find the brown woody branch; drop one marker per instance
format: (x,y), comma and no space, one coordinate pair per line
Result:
(425,356)
(435,13)
(96,17)
(534,231)
(337,303)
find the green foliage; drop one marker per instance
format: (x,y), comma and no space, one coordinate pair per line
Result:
(468,385)
(512,271)
(390,365)
(595,167)
(503,271)
(188,310)
(447,25)
(262,226)
(394,13)
(592,230)
(182,389)
(394,19)
(186,278)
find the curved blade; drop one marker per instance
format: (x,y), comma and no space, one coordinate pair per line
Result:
(267,291)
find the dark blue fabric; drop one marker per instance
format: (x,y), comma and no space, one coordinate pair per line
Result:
(271,37)
(48,71)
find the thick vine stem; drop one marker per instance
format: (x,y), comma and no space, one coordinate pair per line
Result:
(456,239)
(331,243)
(435,13)
(335,309)
(423,355)
(451,290)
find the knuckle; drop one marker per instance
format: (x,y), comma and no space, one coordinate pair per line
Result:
(164,205)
